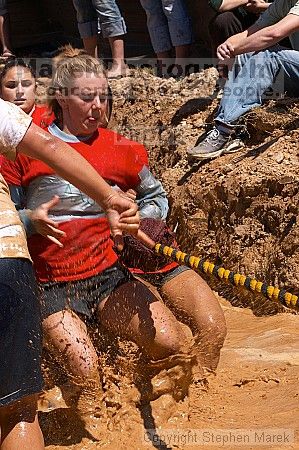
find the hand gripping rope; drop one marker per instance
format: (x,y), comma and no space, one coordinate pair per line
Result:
(236,279)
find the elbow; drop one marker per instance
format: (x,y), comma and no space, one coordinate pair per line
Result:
(275,35)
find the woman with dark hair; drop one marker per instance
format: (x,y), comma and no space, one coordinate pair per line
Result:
(18,86)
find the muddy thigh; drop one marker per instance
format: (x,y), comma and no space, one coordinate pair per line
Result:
(189,296)
(133,312)
(66,336)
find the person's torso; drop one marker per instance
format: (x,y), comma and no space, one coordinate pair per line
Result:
(87,247)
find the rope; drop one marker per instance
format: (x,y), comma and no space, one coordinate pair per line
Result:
(236,279)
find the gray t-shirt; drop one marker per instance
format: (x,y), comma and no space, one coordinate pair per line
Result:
(277,11)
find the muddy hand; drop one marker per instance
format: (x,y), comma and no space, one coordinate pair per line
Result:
(122,214)
(44,225)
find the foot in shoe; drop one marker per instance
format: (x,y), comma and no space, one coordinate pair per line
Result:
(213,144)
(210,146)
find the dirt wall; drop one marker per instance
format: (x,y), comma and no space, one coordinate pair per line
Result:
(241,209)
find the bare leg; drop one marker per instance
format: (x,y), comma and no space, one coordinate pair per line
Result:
(163,55)
(20,427)
(182,53)
(66,336)
(5,34)
(118,57)
(163,62)
(133,312)
(190,296)
(90,45)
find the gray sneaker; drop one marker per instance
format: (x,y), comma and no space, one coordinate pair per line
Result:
(213,144)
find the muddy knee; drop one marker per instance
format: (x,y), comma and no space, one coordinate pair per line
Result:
(215,332)
(169,340)
(209,342)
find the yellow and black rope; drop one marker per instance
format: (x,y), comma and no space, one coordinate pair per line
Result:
(236,279)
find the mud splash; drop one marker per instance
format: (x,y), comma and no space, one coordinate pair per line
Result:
(255,387)
(241,210)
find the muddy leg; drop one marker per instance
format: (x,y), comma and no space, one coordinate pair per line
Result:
(19,425)
(66,336)
(189,296)
(133,312)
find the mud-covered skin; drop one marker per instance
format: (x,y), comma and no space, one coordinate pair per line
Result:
(222,208)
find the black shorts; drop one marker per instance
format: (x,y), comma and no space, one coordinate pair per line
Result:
(82,296)
(20,331)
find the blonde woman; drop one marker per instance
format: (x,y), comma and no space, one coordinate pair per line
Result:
(80,279)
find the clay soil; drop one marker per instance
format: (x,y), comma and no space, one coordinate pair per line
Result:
(240,210)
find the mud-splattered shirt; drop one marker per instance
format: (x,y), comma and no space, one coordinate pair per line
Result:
(13,126)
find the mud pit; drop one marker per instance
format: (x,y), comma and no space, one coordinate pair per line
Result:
(241,210)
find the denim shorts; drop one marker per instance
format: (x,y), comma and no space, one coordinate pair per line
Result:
(96,16)
(20,332)
(81,296)
(3,7)
(168,23)
(160,278)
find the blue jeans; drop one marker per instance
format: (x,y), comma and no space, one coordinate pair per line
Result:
(168,23)
(252,79)
(95,16)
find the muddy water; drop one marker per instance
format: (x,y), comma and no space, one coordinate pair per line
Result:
(256,384)
(255,388)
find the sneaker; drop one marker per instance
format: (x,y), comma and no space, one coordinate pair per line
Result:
(213,144)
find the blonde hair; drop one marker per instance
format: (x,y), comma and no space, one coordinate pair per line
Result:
(67,65)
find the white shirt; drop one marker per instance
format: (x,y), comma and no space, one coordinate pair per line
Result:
(14,124)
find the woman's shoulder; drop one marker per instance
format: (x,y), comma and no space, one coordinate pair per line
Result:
(42,116)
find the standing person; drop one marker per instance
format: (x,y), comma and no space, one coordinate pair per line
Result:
(5,30)
(169,26)
(95,16)
(20,337)
(259,62)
